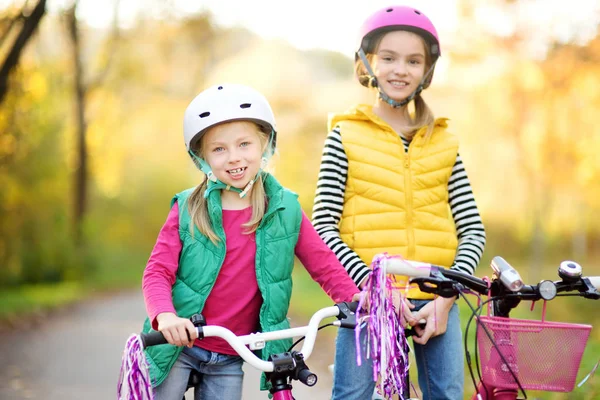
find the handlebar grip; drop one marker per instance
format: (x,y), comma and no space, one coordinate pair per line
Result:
(152,338)
(595,281)
(413,269)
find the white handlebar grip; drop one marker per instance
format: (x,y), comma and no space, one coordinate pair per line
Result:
(595,280)
(398,266)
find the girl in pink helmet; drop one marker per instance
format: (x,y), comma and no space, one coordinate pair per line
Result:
(392,180)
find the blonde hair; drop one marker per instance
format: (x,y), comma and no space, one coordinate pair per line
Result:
(422,114)
(198,206)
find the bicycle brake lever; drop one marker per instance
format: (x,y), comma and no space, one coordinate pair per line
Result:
(591,292)
(347,315)
(442,287)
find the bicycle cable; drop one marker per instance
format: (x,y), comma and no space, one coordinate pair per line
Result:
(467,353)
(475,313)
(303,337)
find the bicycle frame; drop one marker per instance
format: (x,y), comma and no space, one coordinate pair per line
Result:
(504,297)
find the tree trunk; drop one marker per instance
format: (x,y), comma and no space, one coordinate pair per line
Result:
(80,178)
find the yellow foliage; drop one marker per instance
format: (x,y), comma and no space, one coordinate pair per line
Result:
(531,76)
(8,144)
(527,127)
(12,193)
(36,85)
(95,134)
(586,84)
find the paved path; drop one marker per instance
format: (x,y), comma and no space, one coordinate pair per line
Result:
(76,354)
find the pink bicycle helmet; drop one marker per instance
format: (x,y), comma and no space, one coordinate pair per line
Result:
(399,18)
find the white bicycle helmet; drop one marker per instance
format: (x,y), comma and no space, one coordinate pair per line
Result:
(223,103)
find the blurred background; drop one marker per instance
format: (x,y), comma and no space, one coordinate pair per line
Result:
(92,96)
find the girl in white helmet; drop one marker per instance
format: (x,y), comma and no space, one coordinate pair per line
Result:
(392,180)
(227,249)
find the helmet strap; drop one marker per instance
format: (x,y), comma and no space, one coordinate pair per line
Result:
(382,95)
(269,151)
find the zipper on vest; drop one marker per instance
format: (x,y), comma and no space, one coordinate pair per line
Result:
(410,233)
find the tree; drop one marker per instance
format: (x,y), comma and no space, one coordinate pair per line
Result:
(82,88)
(28,21)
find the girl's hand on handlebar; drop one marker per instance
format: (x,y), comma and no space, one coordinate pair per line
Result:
(178,331)
(358,296)
(403,307)
(435,313)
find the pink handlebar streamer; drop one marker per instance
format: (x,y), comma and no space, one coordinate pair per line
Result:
(134,378)
(387,345)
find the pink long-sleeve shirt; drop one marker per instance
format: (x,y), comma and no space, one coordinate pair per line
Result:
(235,300)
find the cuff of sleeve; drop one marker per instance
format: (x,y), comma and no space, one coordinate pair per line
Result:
(153,320)
(462,267)
(362,276)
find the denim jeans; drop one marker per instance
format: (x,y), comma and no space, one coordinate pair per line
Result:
(441,353)
(221,376)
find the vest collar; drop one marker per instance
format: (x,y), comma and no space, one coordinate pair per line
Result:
(273,190)
(364,112)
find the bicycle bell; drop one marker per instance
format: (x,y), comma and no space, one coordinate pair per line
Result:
(569,271)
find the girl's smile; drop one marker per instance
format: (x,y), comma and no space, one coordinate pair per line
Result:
(237,173)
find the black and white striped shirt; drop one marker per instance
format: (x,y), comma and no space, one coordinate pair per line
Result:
(329,201)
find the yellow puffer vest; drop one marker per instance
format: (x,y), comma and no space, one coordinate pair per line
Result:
(397,202)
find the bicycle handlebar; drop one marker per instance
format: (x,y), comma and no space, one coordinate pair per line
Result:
(429,277)
(505,291)
(417,270)
(257,341)
(444,280)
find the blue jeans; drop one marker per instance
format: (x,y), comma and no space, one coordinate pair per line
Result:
(221,376)
(441,353)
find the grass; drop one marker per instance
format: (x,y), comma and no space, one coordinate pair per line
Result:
(117,272)
(33,299)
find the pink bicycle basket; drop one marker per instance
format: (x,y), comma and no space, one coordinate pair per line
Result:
(543,355)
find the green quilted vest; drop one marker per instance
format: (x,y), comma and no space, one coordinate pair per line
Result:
(201,260)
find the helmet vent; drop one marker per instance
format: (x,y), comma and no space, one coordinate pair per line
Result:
(389,10)
(245,105)
(417,12)
(220,87)
(204,114)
